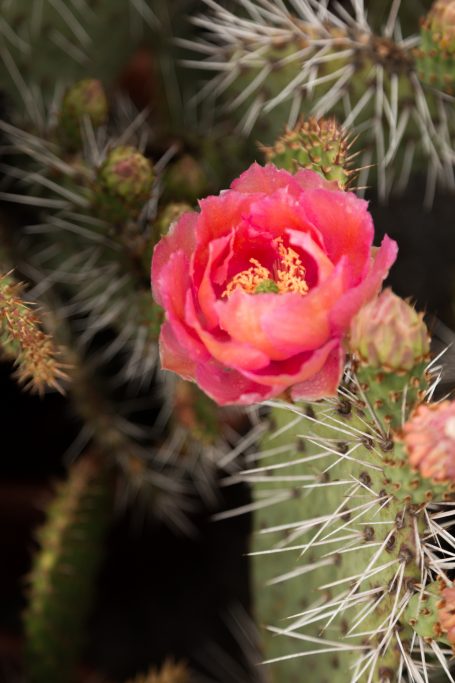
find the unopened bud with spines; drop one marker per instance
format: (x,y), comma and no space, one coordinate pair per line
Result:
(84,100)
(123,185)
(321,145)
(435,57)
(429,440)
(390,345)
(389,334)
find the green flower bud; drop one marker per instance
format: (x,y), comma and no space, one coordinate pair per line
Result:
(123,185)
(84,99)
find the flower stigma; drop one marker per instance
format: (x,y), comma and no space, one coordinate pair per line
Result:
(288,275)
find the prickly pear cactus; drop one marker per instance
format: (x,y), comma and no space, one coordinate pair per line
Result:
(349,497)
(320,143)
(352,493)
(304,58)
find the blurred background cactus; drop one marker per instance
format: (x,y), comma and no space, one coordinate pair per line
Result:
(118,572)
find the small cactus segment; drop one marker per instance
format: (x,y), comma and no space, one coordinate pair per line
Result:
(435,58)
(63,573)
(23,340)
(170,672)
(423,611)
(319,144)
(390,345)
(349,494)
(84,100)
(123,185)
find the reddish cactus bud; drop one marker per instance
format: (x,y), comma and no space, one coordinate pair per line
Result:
(429,440)
(123,185)
(389,334)
(447,613)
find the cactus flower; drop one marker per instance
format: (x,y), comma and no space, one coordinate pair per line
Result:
(388,333)
(259,287)
(429,440)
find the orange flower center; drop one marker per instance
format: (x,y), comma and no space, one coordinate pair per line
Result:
(288,275)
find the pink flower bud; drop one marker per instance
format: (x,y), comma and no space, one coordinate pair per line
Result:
(447,613)
(429,440)
(389,334)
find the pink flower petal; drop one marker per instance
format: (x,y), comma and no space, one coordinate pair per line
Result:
(205,292)
(173,283)
(280,211)
(352,301)
(266,179)
(226,351)
(324,383)
(310,180)
(296,323)
(173,356)
(345,225)
(219,216)
(227,386)
(289,372)
(305,242)
(181,237)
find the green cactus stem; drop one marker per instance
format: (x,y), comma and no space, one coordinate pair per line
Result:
(23,340)
(347,524)
(313,61)
(435,57)
(64,570)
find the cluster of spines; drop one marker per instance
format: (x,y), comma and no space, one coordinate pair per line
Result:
(320,143)
(23,340)
(322,62)
(61,582)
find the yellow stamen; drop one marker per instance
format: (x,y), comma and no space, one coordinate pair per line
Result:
(289,274)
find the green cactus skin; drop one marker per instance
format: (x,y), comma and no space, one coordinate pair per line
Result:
(435,56)
(64,570)
(56,41)
(338,555)
(284,65)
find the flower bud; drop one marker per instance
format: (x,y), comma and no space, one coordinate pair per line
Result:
(318,144)
(447,613)
(84,99)
(435,56)
(389,334)
(429,440)
(123,185)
